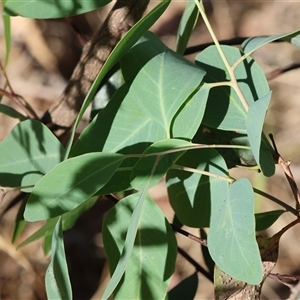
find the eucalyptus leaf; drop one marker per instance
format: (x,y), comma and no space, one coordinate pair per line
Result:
(7,34)
(187,23)
(11,112)
(266,219)
(57,280)
(190,193)
(128,40)
(189,117)
(153,256)
(69,184)
(143,167)
(261,150)
(252,44)
(142,114)
(28,153)
(224,108)
(231,239)
(50,9)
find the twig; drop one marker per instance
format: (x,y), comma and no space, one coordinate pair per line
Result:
(277,72)
(282,278)
(189,235)
(81,38)
(277,201)
(16,98)
(199,268)
(229,42)
(285,166)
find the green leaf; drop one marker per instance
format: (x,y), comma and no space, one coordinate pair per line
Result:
(57,276)
(252,44)
(19,223)
(11,112)
(68,220)
(124,128)
(186,289)
(231,239)
(69,184)
(266,219)
(262,152)
(47,244)
(44,231)
(186,26)
(189,117)
(163,84)
(7,34)
(128,40)
(190,193)
(143,167)
(224,109)
(152,261)
(50,9)
(137,117)
(28,153)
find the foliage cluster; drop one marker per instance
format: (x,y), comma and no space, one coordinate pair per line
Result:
(188,122)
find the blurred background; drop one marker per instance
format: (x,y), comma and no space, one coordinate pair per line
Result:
(43,56)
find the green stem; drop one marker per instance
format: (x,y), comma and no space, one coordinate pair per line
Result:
(193,170)
(7,189)
(192,147)
(230,70)
(277,201)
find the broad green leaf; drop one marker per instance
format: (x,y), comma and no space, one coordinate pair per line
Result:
(153,256)
(11,112)
(128,40)
(224,109)
(210,136)
(120,127)
(50,9)
(252,44)
(189,117)
(68,220)
(69,184)
(265,219)
(163,84)
(134,223)
(143,167)
(231,239)
(28,153)
(262,152)
(57,280)
(137,117)
(186,26)
(190,193)
(186,289)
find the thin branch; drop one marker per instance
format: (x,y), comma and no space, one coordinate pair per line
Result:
(277,72)
(277,201)
(285,166)
(202,172)
(189,235)
(283,278)
(16,98)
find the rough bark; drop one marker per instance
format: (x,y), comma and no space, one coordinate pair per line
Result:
(62,114)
